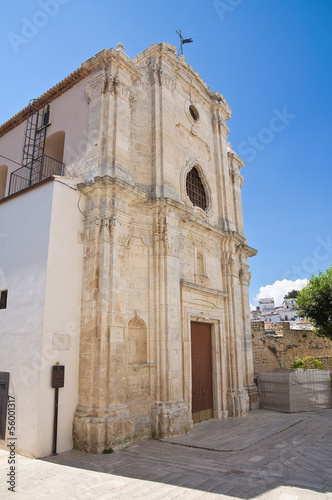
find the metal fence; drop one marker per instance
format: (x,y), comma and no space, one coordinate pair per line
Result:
(295,390)
(36,171)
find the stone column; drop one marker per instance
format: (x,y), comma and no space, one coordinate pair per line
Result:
(237,395)
(102,419)
(170,416)
(235,163)
(220,113)
(99,95)
(157,170)
(245,276)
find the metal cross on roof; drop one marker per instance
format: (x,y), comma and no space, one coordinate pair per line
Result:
(183,41)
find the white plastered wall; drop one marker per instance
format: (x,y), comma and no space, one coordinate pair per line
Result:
(40,265)
(24,229)
(68,113)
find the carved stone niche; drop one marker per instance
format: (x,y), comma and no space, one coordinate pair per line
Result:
(137,341)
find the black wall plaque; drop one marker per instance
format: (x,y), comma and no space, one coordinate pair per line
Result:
(58,376)
(4,383)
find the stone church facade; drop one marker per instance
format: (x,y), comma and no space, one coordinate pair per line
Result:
(158,255)
(165,333)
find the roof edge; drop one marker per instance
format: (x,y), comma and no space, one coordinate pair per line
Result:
(48,96)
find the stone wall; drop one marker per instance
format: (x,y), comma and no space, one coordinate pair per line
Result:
(272,352)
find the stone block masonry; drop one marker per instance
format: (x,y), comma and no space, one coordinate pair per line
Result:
(281,351)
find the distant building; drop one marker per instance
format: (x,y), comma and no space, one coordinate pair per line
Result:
(266,304)
(267,312)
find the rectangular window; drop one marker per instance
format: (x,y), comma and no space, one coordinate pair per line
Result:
(3,299)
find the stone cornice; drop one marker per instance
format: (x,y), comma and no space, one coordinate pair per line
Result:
(247,250)
(209,291)
(187,215)
(233,157)
(106,181)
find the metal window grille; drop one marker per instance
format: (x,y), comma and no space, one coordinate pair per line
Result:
(195,189)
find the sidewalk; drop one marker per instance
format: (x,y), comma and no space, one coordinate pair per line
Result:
(265,455)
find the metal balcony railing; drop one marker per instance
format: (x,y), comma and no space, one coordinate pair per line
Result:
(36,171)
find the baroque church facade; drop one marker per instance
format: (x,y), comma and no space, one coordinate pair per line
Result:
(159,263)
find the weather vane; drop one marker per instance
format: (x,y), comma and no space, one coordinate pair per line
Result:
(182,41)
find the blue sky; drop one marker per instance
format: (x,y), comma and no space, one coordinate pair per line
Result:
(272,62)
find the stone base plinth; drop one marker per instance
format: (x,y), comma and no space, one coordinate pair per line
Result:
(237,402)
(220,414)
(170,418)
(97,430)
(253,397)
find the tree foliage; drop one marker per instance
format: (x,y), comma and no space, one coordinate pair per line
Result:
(314,301)
(292,295)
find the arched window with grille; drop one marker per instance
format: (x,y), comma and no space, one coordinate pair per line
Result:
(195,189)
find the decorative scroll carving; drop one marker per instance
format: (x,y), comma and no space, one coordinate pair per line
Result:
(121,89)
(231,264)
(236,177)
(245,275)
(136,322)
(153,67)
(166,80)
(217,119)
(107,228)
(98,229)
(173,244)
(102,84)
(96,87)
(122,234)
(161,76)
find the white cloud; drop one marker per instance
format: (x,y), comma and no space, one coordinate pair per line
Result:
(279,289)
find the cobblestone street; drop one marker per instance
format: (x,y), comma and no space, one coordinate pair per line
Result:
(266,455)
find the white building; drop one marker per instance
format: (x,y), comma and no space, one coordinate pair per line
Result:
(267,312)
(266,304)
(41,267)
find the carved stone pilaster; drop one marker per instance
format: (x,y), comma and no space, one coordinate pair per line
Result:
(154,76)
(102,84)
(98,229)
(161,76)
(219,120)
(122,233)
(124,91)
(231,265)
(244,276)
(95,87)
(236,177)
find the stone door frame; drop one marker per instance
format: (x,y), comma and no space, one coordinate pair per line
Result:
(201,304)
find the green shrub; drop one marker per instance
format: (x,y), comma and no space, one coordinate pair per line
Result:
(308,363)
